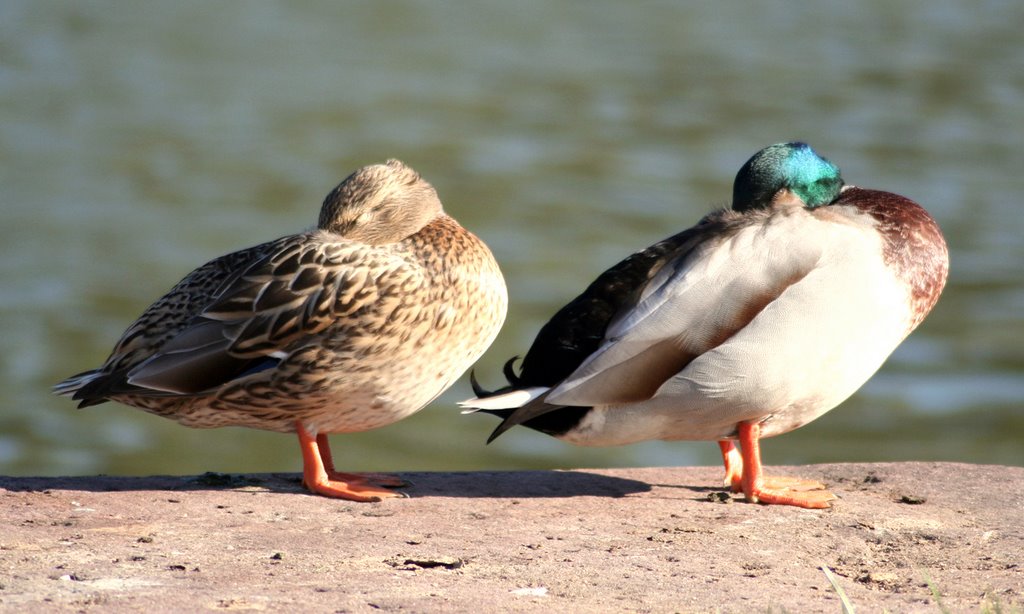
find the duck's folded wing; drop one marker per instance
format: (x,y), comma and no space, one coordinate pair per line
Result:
(691,306)
(276,303)
(578,329)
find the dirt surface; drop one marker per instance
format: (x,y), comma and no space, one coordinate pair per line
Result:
(903,537)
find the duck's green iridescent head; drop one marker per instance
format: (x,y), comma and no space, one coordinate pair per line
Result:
(790,166)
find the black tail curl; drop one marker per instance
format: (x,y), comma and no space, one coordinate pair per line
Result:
(508,370)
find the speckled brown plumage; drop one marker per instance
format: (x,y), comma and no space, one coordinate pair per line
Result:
(348,327)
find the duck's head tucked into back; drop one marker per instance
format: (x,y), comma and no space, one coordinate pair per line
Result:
(751,323)
(783,168)
(378,204)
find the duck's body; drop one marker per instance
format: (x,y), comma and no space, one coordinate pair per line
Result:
(752,323)
(348,327)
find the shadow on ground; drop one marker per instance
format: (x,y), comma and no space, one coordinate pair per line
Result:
(504,484)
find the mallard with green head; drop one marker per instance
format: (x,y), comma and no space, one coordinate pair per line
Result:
(752,323)
(351,326)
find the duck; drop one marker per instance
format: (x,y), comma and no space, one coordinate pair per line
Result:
(350,326)
(755,321)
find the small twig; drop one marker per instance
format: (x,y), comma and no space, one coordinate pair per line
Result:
(834,581)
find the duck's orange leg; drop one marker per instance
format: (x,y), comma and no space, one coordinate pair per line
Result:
(380,479)
(734,472)
(316,459)
(780,491)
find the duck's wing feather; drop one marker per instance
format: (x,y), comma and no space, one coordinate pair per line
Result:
(294,290)
(161,321)
(579,328)
(692,305)
(172,312)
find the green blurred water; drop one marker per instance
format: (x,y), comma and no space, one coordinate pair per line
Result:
(139,140)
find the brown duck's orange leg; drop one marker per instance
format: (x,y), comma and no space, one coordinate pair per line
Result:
(733,465)
(380,479)
(316,478)
(780,491)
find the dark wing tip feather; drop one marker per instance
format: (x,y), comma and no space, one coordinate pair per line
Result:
(507,422)
(501,428)
(533,410)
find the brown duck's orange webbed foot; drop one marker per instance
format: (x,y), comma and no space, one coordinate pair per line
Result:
(758,488)
(380,479)
(319,476)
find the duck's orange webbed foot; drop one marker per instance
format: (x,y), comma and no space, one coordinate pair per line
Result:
(782,482)
(319,476)
(790,491)
(771,490)
(380,479)
(352,490)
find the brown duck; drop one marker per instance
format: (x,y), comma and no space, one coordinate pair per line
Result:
(351,326)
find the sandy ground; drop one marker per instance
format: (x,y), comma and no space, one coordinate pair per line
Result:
(903,537)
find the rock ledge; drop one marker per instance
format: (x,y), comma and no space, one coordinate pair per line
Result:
(903,537)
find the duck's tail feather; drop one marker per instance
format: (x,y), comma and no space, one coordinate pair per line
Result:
(517,404)
(509,399)
(513,407)
(73,386)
